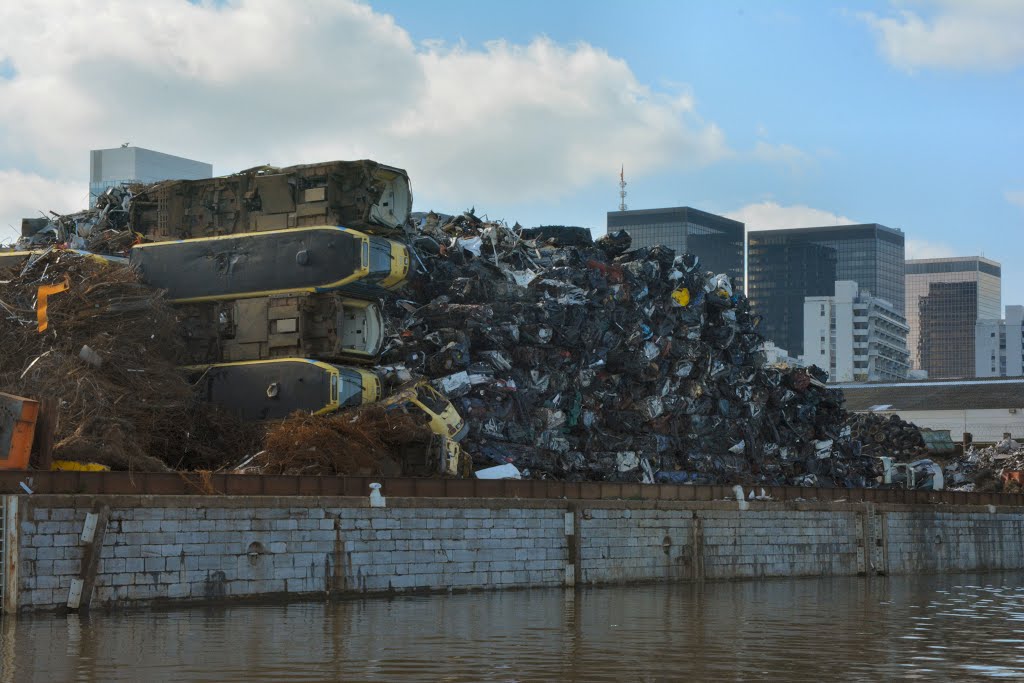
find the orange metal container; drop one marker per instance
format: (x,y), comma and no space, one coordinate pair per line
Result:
(17,427)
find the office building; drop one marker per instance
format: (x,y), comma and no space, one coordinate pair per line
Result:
(122,165)
(717,240)
(856,337)
(999,345)
(945,299)
(786,266)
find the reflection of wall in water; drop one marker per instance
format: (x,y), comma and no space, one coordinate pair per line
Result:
(709,631)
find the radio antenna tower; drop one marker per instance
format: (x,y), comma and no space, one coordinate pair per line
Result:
(622,188)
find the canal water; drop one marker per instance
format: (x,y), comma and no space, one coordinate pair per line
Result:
(960,627)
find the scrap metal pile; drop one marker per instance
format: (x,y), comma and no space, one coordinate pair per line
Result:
(995,468)
(84,330)
(561,356)
(887,436)
(594,361)
(104,228)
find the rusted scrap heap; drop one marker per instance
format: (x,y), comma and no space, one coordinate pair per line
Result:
(364,441)
(995,468)
(887,435)
(108,353)
(362,195)
(594,361)
(103,229)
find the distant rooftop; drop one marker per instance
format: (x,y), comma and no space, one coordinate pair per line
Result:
(954,259)
(827,229)
(977,394)
(616,218)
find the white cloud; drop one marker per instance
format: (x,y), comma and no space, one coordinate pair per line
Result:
(1015,197)
(788,155)
(260,81)
(924,249)
(27,195)
(768,215)
(955,34)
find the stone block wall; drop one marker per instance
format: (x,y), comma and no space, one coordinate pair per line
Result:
(621,545)
(166,549)
(157,552)
(780,543)
(926,541)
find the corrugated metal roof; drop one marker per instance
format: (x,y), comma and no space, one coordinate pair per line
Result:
(933,395)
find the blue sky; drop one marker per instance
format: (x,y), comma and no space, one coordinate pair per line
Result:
(783,114)
(932,151)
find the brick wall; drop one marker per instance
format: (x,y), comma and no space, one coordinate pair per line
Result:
(206,548)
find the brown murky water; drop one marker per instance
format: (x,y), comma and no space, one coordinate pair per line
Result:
(964,627)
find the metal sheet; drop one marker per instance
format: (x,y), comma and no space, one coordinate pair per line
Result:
(251,265)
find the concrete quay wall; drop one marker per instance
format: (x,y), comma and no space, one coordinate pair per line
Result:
(119,551)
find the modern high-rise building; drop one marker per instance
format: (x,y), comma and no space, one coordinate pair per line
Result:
(717,240)
(945,299)
(856,337)
(999,345)
(786,266)
(122,165)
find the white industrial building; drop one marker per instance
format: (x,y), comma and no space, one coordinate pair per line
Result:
(999,345)
(984,408)
(125,164)
(855,337)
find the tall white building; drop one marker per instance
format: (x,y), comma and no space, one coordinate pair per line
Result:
(854,336)
(999,345)
(121,165)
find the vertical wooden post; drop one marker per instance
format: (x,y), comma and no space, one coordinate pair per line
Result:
(92,534)
(46,431)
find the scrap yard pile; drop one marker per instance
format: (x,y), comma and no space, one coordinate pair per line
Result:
(887,436)
(995,468)
(579,360)
(233,320)
(84,330)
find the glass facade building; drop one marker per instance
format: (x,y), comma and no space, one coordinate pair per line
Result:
(945,299)
(717,240)
(124,165)
(786,266)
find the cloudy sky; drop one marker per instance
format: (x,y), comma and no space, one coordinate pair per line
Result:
(782,114)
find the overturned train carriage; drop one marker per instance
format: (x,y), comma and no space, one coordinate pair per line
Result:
(317,259)
(363,194)
(273,389)
(323,326)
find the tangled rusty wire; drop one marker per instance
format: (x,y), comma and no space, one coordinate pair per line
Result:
(360,442)
(108,353)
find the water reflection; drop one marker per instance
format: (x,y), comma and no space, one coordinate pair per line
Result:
(921,628)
